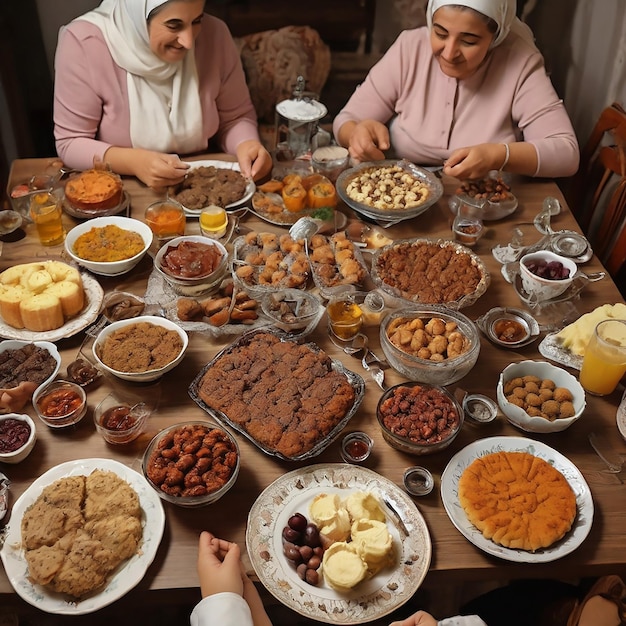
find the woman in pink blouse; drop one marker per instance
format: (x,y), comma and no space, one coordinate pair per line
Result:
(140,82)
(468,90)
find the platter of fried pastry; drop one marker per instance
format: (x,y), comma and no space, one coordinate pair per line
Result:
(81,536)
(517,499)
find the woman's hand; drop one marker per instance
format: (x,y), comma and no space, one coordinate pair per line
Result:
(475,162)
(421,618)
(254,160)
(365,140)
(155,169)
(219,566)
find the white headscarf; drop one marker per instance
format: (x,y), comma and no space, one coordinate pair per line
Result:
(500,11)
(165,109)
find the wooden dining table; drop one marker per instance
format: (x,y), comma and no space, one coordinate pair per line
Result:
(454,558)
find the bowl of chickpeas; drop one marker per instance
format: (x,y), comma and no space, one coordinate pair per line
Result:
(430,344)
(538,397)
(192,464)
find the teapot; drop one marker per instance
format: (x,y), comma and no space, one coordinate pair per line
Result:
(298,132)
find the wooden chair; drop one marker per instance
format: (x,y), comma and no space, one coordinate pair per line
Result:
(597,194)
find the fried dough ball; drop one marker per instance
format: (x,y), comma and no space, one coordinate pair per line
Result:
(563,395)
(532,399)
(551,408)
(567,409)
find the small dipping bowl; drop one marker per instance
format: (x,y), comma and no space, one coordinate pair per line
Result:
(418,481)
(356,447)
(120,422)
(60,403)
(479,409)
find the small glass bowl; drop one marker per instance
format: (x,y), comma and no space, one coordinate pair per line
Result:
(479,409)
(166,219)
(120,422)
(60,403)
(418,481)
(356,447)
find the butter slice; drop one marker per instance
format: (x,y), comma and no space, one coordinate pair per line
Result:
(330,516)
(372,541)
(364,505)
(342,566)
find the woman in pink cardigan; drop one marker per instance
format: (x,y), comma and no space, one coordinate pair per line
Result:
(468,90)
(140,82)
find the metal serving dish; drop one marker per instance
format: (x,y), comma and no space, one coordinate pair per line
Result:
(520,327)
(434,185)
(356,381)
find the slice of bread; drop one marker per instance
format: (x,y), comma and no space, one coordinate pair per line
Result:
(42,311)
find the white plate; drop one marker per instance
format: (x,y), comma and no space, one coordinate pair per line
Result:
(223,165)
(371,599)
(93,296)
(450,496)
(124,579)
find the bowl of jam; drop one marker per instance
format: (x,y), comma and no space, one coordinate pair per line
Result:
(356,447)
(60,403)
(120,422)
(17,437)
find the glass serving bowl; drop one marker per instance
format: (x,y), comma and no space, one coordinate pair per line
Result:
(207,434)
(435,397)
(120,422)
(425,370)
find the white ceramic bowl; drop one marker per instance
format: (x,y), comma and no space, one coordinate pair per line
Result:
(25,449)
(16,344)
(193,286)
(148,375)
(544,370)
(545,288)
(115,267)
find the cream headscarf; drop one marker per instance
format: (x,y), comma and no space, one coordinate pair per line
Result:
(165,110)
(501,11)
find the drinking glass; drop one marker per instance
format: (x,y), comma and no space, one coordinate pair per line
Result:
(604,362)
(46,212)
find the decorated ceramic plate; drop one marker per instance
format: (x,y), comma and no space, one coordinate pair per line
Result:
(223,165)
(371,599)
(450,496)
(123,580)
(94,295)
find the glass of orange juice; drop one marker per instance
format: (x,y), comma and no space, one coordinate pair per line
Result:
(604,362)
(166,219)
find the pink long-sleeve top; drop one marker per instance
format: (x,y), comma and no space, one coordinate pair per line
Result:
(91,111)
(510,98)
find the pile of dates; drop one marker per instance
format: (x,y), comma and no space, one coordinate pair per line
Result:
(302,546)
(552,270)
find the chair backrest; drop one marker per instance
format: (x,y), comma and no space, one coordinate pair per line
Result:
(597,194)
